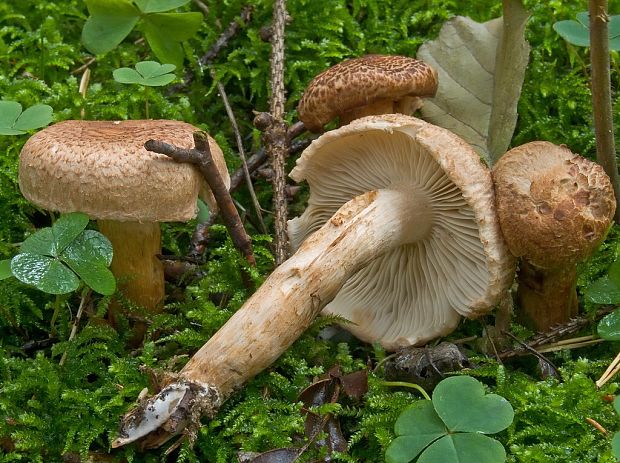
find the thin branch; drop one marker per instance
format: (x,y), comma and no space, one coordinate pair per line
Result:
(201,157)
(239,141)
(572,326)
(218,46)
(202,7)
(76,322)
(84,66)
(258,159)
(276,137)
(532,351)
(601,95)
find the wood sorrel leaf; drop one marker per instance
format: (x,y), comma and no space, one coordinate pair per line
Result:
(606,290)
(66,229)
(578,32)
(609,327)
(110,22)
(157,6)
(463,406)
(149,73)
(15,122)
(89,255)
(178,27)
(45,273)
(417,427)
(464,448)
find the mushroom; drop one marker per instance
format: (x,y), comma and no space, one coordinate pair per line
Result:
(373,84)
(454,264)
(554,207)
(102,169)
(421,212)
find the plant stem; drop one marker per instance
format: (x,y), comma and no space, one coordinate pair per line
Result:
(85,295)
(57,304)
(276,135)
(146,102)
(417,387)
(601,95)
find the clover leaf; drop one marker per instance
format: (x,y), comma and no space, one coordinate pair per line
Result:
(606,290)
(578,32)
(15,122)
(55,259)
(609,327)
(149,73)
(111,21)
(451,428)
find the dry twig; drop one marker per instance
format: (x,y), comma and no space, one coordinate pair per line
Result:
(244,164)
(276,136)
(201,157)
(218,46)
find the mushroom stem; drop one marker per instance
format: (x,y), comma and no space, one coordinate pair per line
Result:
(383,106)
(135,263)
(281,309)
(547,297)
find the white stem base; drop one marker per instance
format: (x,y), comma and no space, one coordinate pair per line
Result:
(296,292)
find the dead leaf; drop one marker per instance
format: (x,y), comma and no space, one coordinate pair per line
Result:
(481,68)
(355,384)
(277,456)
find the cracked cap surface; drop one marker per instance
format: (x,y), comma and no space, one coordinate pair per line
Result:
(360,81)
(554,206)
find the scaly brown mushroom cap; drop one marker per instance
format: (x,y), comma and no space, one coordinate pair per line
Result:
(361,81)
(101,168)
(554,206)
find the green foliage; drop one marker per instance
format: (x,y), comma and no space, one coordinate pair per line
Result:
(55,259)
(451,427)
(111,21)
(148,73)
(50,413)
(615,440)
(15,122)
(578,32)
(550,416)
(609,327)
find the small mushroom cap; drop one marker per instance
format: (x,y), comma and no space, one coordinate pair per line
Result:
(361,81)
(101,168)
(418,291)
(554,206)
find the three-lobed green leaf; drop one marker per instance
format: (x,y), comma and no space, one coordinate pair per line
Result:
(451,427)
(149,73)
(14,121)
(578,32)
(111,21)
(54,259)
(461,402)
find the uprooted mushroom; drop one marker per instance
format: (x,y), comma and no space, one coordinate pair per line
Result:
(555,208)
(413,210)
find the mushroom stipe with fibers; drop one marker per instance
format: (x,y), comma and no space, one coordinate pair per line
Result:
(367,226)
(101,168)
